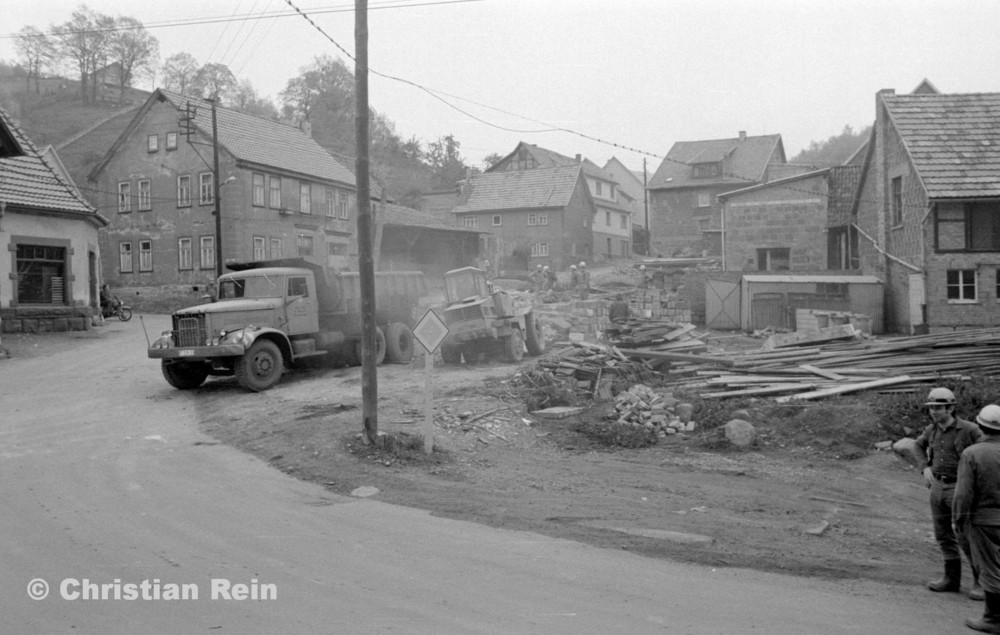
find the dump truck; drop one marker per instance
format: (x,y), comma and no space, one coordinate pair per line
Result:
(269,315)
(486,321)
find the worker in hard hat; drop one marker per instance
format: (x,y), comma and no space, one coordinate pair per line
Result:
(574,278)
(942,443)
(536,278)
(977,514)
(584,280)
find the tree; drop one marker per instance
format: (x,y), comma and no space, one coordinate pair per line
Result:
(84,39)
(445,161)
(134,49)
(491,160)
(246,100)
(215,81)
(37,51)
(835,150)
(323,94)
(179,72)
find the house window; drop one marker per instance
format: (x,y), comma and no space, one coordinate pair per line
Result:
(539,250)
(124,197)
(258,190)
(152,143)
(704,199)
(275,248)
(707,170)
(171,141)
(897,200)
(470,221)
(624,223)
(274,187)
(775,259)
(305,198)
(145,199)
(607,219)
(304,244)
(41,274)
(205,194)
(968,227)
(125,257)
(207,252)
(343,203)
(609,247)
(259,248)
(184,253)
(331,202)
(184,191)
(497,220)
(961,285)
(541,218)
(598,188)
(145,255)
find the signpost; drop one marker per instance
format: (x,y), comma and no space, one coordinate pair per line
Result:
(430,331)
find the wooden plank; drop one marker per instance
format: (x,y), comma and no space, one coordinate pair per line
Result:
(822,373)
(846,388)
(770,390)
(680,357)
(839,332)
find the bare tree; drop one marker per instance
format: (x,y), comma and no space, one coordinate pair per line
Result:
(215,81)
(84,40)
(246,100)
(37,51)
(179,72)
(134,49)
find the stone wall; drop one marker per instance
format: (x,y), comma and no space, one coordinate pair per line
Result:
(45,319)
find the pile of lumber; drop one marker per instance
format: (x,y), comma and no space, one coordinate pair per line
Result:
(814,372)
(657,335)
(595,369)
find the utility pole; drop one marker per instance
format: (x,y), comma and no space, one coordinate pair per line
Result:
(216,190)
(366,267)
(645,205)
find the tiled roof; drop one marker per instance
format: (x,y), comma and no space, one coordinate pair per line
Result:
(520,189)
(266,143)
(953,140)
(28,181)
(742,161)
(409,217)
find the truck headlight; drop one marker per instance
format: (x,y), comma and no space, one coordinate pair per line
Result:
(165,340)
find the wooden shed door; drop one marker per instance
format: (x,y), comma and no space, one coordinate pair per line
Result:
(722,305)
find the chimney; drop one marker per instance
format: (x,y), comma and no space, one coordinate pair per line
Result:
(579,159)
(743,135)
(306,127)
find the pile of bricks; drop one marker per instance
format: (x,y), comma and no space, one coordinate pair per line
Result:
(642,407)
(650,303)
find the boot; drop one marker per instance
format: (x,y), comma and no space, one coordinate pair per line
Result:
(990,621)
(976,592)
(952,580)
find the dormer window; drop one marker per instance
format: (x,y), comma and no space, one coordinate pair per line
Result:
(707,170)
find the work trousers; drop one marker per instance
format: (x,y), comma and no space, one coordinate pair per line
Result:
(952,544)
(985,546)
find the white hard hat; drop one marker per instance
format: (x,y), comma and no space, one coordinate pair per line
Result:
(940,397)
(989,417)
(642,267)
(572,266)
(539,266)
(545,268)
(583,264)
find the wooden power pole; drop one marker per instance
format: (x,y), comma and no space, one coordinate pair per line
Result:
(366,266)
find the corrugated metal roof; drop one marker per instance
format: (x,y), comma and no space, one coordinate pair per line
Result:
(800,278)
(742,161)
(266,143)
(520,189)
(29,181)
(953,140)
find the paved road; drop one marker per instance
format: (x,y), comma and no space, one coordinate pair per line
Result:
(106,480)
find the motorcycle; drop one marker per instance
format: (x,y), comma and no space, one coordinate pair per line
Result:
(119,309)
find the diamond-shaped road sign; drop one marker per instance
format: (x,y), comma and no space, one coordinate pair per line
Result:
(430,331)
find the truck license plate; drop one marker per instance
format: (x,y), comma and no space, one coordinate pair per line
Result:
(187,352)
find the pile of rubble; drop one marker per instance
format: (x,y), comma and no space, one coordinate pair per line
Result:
(642,407)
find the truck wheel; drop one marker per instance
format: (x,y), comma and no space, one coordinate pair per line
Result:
(533,336)
(398,343)
(514,346)
(260,367)
(184,375)
(451,354)
(379,347)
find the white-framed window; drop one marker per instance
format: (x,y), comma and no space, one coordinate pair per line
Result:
(598,188)
(973,226)
(275,248)
(205,194)
(184,253)
(124,197)
(125,257)
(274,188)
(607,219)
(330,198)
(470,221)
(497,220)
(171,141)
(259,248)
(258,189)
(145,255)
(207,252)
(704,199)
(961,285)
(539,250)
(184,190)
(897,200)
(624,220)
(304,244)
(153,143)
(541,218)
(305,198)
(344,204)
(145,195)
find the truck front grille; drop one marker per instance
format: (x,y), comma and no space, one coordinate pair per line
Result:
(461,314)
(190,331)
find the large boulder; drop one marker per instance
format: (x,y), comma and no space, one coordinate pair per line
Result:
(907,450)
(740,433)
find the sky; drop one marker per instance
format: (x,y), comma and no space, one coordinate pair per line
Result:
(600,78)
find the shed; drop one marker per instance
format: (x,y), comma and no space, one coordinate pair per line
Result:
(771,300)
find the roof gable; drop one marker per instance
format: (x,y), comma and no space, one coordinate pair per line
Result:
(519,189)
(743,159)
(953,141)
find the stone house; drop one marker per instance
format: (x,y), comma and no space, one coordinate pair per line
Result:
(928,209)
(684,214)
(797,223)
(279,193)
(50,279)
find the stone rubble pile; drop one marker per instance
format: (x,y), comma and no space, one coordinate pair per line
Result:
(642,407)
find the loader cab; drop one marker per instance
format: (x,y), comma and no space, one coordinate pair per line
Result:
(465,284)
